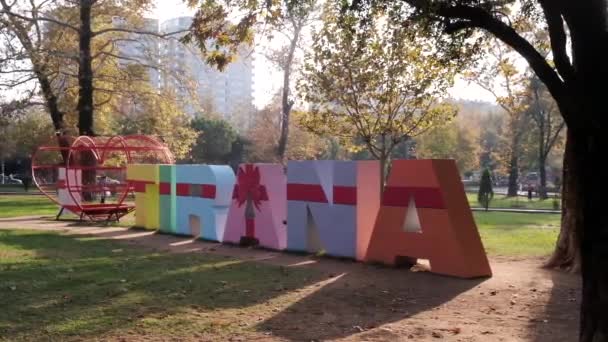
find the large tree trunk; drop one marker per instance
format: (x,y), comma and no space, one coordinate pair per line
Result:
(566,255)
(513,173)
(592,223)
(542,189)
(85,71)
(383,172)
(52,105)
(85,99)
(542,158)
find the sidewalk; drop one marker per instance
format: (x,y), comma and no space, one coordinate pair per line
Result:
(519,211)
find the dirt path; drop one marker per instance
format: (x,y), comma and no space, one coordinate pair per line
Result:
(358,302)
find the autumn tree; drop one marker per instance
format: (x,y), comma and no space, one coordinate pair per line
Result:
(489,140)
(263,135)
(378,83)
(451,141)
(72,50)
(286,20)
(498,74)
(575,77)
(24,57)
(155,114)
(548,126)
(7,144)
(214,140)
(297,17)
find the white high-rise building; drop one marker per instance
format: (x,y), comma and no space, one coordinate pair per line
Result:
(228,93)
(142,49)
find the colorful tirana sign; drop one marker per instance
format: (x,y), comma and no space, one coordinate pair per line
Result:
(331,206)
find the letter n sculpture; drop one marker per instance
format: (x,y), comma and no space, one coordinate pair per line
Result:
(331,206)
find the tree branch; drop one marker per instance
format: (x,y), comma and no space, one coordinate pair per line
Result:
(553,140)
(558,39)
(480,18)
(33,20)
(139,32)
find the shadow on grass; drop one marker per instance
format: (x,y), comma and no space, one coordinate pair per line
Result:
(54,286)
(57,286)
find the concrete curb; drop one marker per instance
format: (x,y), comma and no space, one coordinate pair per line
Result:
(520,211)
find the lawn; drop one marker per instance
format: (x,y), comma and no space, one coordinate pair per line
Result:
(55,287)
(18,188)
(502,233)
(510,234)
(16,205)
(519,202)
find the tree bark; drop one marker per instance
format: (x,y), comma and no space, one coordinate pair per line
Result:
(383,161)
(85,97)
(85,71)
(286,103)
(592,223)
(513,168)
(39,67)
(566,255)
(542,189)
(542,154)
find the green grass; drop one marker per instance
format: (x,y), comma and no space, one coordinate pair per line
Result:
(17,188)
(55,287)
(524,235)
(16,205)
(501,201)
(502,233)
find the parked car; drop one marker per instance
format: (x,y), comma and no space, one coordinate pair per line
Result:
(110,185)
(10,180)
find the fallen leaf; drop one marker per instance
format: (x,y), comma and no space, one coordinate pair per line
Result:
(455,330)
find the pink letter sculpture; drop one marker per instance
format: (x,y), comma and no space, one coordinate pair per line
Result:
(258,208)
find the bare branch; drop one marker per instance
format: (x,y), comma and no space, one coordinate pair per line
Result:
(139,32)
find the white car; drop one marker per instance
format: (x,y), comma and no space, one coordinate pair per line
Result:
(9,180)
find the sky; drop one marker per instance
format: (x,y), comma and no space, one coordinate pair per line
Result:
(268,80)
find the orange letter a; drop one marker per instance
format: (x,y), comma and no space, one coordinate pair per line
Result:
(425,214)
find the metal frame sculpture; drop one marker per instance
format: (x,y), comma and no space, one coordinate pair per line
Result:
(86,176)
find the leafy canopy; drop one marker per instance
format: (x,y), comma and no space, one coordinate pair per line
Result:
(378,82)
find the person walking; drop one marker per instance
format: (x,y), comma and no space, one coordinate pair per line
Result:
(27,180)
(102,185)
